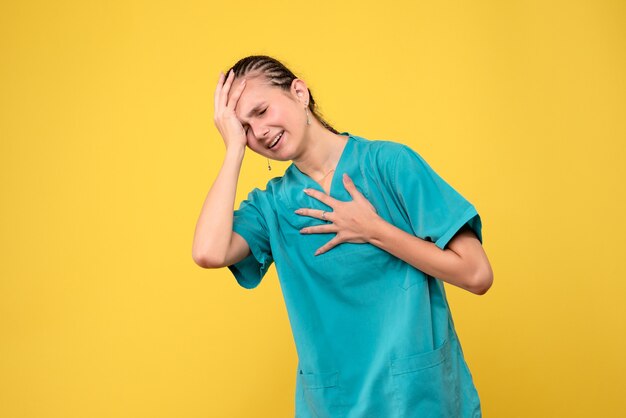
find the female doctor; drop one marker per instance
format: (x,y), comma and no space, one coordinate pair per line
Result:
(363,234)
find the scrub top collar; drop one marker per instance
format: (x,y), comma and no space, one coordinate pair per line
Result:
(308,182)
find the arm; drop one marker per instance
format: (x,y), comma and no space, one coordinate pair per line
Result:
(463,263)
(215,244)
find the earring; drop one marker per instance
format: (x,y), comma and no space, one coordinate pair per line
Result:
(308,121)
(269,167)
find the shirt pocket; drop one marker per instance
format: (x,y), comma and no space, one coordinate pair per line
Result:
(322,393)
(425,384)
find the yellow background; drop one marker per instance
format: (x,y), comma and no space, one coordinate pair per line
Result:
(108,149)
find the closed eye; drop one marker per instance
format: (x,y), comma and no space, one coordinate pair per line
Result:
(245,128)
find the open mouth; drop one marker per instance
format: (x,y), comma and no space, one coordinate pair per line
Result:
(277,140)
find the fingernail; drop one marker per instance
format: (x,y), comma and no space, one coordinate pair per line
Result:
(306,191)
(297,211)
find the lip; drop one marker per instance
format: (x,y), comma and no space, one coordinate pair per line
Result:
(279,141)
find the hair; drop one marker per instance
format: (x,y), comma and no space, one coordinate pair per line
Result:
(278,75)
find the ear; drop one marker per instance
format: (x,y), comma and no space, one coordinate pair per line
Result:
(300,90)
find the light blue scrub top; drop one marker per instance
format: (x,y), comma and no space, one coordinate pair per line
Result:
(374,335)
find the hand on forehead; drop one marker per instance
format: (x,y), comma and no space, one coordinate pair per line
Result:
(255,92)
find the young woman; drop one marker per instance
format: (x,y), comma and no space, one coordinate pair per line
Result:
(363,234)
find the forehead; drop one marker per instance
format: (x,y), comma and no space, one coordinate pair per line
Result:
(256,91)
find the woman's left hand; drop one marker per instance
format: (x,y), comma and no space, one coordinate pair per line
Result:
(352,220)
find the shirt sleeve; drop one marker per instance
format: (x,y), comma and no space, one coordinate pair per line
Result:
(433,208)
(250,222)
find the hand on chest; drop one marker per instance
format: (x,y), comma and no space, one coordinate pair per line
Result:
(347,214)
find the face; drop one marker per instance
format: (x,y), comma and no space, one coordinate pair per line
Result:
(266,111)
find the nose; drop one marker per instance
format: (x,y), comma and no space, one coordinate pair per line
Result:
(259,132)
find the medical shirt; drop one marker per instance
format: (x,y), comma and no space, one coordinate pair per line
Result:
(374,335)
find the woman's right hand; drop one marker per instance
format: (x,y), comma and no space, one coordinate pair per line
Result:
(225,119)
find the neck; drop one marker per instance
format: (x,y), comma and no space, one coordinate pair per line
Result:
(321,150)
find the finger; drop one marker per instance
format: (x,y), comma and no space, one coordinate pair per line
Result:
(218,89)
(315,213)
(351,187)
(320,229)
(355,193)
(329,245)
(232,102)
(226,89)
(322,197)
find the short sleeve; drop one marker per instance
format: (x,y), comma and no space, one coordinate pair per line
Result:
(434,209)
(250,222)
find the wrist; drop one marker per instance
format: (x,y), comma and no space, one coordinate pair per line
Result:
(235,151)
(375,230)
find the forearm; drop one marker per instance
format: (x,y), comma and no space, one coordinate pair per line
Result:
(214,227)
(423,255)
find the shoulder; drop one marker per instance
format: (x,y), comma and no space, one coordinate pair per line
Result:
(263,197)
(381,147)
(386,154)
(270,187)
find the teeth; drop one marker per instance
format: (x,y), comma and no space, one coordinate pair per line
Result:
(276,140)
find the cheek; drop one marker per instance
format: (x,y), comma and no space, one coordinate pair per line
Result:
(282,116)
(254,145)
(289,120)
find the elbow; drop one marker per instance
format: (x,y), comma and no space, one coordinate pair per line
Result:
(481,282)
(205,261)
(201,261)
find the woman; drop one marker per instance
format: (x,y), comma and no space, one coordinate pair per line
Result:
(363,233)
